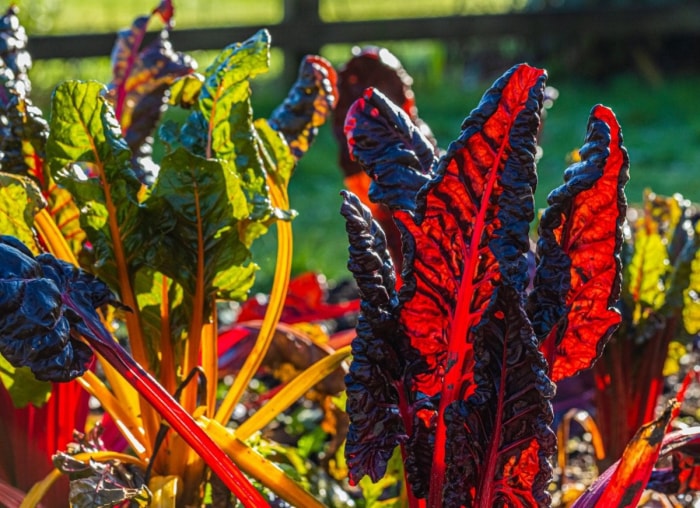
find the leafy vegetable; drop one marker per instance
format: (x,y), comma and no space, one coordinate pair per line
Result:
(578,278)
(657,296)
(141,78)
(449,366)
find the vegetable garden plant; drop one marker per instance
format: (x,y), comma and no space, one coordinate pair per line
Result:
(107,252)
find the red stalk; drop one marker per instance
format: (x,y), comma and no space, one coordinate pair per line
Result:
(173,413)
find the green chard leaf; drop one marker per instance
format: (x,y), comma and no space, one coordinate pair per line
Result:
(88,156)
(691,293)
(197,206)
(224,103)
(24,388)
(20,200)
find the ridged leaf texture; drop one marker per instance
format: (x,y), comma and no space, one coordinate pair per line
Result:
(88,156)
(579,272)
(308,104)
(141,78)
(473,388)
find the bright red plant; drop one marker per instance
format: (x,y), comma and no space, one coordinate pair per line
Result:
(449,366)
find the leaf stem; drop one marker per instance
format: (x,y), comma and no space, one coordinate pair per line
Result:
(180,420)
(278,294)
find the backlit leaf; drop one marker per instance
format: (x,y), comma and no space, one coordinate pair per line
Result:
(20,200)
(690,257)
(89,157)
(473,391)
(22,386)
(623,483)
(578,277)
(394,152)
(196,206)
(142,76)
(308,104)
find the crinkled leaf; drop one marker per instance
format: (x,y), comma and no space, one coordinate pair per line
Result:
(624,482)
(222,124)
(142,76)
(89,157)
(20,200)
(646,274)
(16,60)
(373,393)
(378,68)
(397,156)
(35,327)
(277,157)
(308,104)
(96,484)
(578,277)
(478,382)
(691,295)
(23,136)
(184,91)
(196,207)
(22,386)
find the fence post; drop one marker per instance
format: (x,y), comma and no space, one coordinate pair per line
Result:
(300,16)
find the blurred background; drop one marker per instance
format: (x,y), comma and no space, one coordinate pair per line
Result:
(637,56)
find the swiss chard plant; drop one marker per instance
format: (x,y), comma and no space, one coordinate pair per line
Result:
(89,221)
(456,366)
(659,305)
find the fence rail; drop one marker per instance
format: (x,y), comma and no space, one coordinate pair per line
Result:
(302,31)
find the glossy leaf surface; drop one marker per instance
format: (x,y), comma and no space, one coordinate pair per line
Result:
(89,157)
(196,206)
(471,386)
(373,384)
(142,75)
(308,104)
(15,57)
(396,155)
(20,200)
(578,277)
(35,328)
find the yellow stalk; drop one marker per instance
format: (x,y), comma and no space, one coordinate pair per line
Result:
(165,490)
(39,490)
(588,423)
(126,421)
(278,294)
(291,393)
(49,232)
(210,360)
(254,464)
(57,245)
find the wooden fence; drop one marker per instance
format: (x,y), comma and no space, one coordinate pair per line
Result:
(302,31)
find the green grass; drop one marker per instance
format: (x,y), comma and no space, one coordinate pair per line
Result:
(661,128)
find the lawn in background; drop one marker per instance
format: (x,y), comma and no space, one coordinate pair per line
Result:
(661,126)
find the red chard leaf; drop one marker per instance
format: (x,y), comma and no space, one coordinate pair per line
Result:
(384,140)
(142,76)
(377,68)
(578,277)
(308,105)
(474,392)
(623,483)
